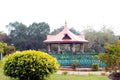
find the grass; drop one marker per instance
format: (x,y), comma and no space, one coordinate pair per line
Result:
(79,77)
(62,77)
(2,76)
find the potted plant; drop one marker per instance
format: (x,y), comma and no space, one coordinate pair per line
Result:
(74,64)
(111,59)
(95,67)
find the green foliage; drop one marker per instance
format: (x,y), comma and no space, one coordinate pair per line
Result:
(64,72)
(2,45)
(74,31)
(112,56)
(30,65)
(27,37)
(95,67)
(75,61)
(98,38)
(56,31)
(9,50)
(74,64)
(38,28)
(6,49)
(103,74)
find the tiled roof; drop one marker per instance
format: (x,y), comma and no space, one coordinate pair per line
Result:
(65,36)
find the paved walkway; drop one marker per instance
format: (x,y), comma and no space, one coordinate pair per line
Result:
(84,72)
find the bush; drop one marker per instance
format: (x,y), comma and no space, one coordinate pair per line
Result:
(64,72)
(9,50)
(95,67)
(74,64)
(30,65)
(103,74)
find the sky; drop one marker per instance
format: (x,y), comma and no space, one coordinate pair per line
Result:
(77,13)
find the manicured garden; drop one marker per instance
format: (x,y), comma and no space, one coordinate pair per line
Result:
(28,65)
(63,77)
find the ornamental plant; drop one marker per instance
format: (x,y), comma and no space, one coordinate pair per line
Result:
(30,65)
(74,64)
(95,67)
(111,59)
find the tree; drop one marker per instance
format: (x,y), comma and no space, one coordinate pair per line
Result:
(38,32)
(56,31)
(9,49)
(74,31)
(98,38)
(17,29)
(17,35)
(38,28)
(111,59)
(31,37)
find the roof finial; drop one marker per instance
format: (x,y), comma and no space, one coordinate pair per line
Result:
(65,24)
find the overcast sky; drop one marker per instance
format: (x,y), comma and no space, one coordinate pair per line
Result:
(77,13)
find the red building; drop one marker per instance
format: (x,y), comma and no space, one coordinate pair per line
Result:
(66,37)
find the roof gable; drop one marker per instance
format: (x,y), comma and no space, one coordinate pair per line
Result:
(66,37)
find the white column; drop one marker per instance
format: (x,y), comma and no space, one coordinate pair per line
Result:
(73,48)
(82,47)
(49,47)
(59,47)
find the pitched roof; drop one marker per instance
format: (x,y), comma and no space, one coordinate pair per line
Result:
(65,36)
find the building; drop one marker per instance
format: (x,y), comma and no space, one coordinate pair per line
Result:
(66,37)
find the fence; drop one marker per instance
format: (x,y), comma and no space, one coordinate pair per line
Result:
(83,60)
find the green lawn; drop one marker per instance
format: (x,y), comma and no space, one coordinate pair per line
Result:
(62,77)
(78,77)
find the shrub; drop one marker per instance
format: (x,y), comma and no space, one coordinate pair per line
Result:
(9,50)
(64,72)
(30,65)
(95,67)
(74,64)
(103,74)
(111,59)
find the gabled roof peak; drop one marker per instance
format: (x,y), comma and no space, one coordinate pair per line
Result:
(65,26)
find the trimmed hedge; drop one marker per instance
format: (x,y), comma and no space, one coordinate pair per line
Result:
(30,65)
